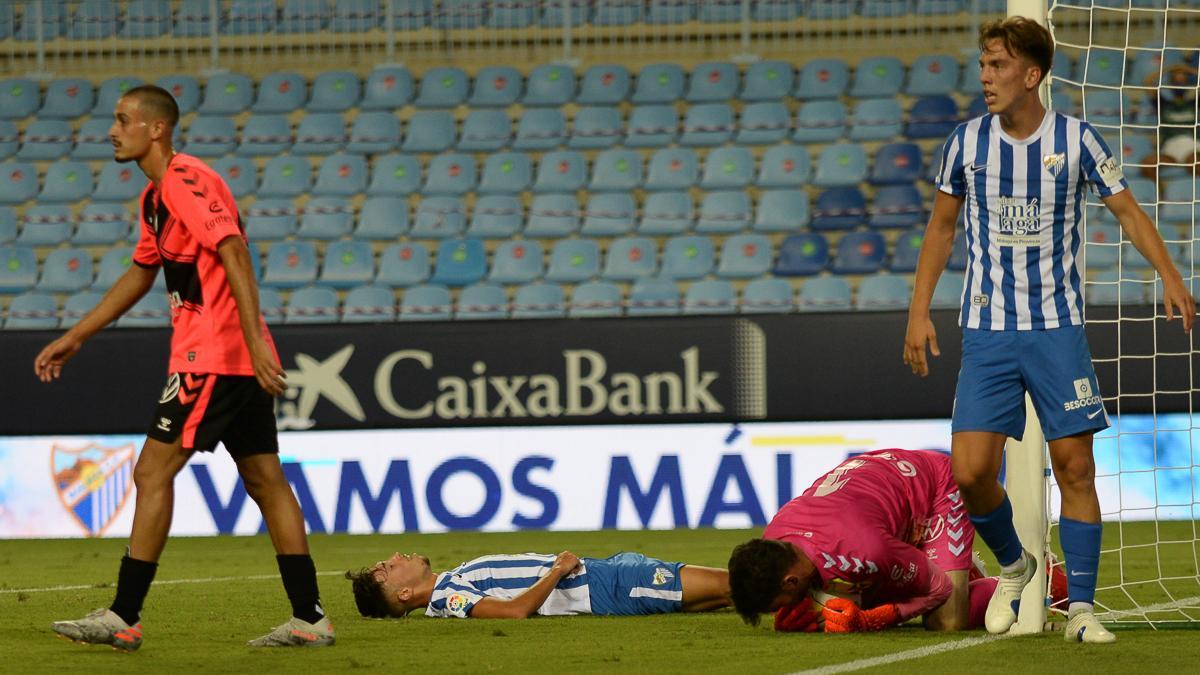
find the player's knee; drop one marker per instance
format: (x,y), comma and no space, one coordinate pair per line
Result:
(148,477)
(1073,473)
(970,479)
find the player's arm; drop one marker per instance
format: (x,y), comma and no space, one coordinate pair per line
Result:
(526,604)
(235,256)
(935,252)
(1146,239)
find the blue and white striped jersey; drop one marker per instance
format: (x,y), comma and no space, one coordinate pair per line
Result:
(505,577)
(1023,213)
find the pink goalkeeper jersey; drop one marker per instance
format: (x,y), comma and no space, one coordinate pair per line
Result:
(862,525)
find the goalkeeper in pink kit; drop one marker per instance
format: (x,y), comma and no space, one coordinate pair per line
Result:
(887,527)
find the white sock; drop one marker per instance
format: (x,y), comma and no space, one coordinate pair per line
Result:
(1077,607)
(1017,567)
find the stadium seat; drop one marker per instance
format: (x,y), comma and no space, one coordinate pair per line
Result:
(897,164)
(1102,66)
(609,214)
(932,74)
(823,78)
(341,175)
(10,139)
(312,304)
(18,268)
(76,306)
(884,8)
(285,176)
(619,13)
(66,181)
(653,297)
(46,225)
(388,89)
(726,168)
(969,80)
(658,83)
(877,76)
(540,129)
(652,126)
(506,173)
(211,136)
(290,264)
(19,98)
(91,141)
(712,82)
(1109,287)
(395,176)
(193,19)
(860,253)
(820,121)
(18,182)
(802,255)
(875,119)
(561,171)
(439,218)
(382,219)
(549,85)
(347,264)
(782,211)
(707,124)
(595,299)
(767,296)
(940,7)
(335,91)
(485,131)
(355,16)
(8,225)
(824,294)
(67,99)
(459,262)
(947,294)
(840,164)
(459,14)
(111,91)
(767,80)
(369,304)
(666,213)
(185,89)
(906,250)
(265,135)
(885,292)
(784,166)
(152,311)
(482,301)
(896,206)
(1103,247)
(119,182)
(496,217)
(270,220)
(45,139)
(146,19)
(724,211)
(304,16)
(426,303)
(444,87)
(496,87)
(65,270)
(630,258)
(429,131)
(452,174)
(616,171)
(1107,107)
(512,15)
(688,256)
(406,264)
(1180,202)
(840,208)
(672,169)
(606,84)
(32,311)
(710,296)
(574,261)
(102,224)
(745,256)
(669,12)
(932,117)
(764,123)
(320,133)
(326,218)
(227,94)
(411,15)
(250,17)
(769,10)
(280,92)
(112,265)
(517,261)
(239,174)
(596,127)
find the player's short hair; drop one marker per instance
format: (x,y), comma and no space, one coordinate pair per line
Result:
(1022,37)
(756,571)
(157,103)
(368,594)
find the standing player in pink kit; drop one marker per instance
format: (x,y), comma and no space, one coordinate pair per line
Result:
(224,372)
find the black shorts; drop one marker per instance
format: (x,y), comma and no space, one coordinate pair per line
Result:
(210,409)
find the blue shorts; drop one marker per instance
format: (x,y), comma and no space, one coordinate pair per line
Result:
(628,584)
(1054,366)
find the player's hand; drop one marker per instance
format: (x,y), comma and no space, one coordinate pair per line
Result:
(267,370)
(1177,297)
(566,563)
(49,362)
(842,616)
(920,332)
(798,618)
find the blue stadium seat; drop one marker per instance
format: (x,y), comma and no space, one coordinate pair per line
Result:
(395,176)
(824,294)
(388,88)
(605,84)
(574,261)
(724,211)
(250,17)
(290,264)
(45,140)
(932,74)
(458,14)
(429,131)
(320,134)
(193,19)
(653,297)
(860,253)
(304,16)
(347,264)
(146,19)
(285,176)
(875,119)
(782,211)
(111,91)
(76,306)
(482,301)
(595,299)
(539,300)
(66,181)
(382,219)
(227,94)
(152,311)
(211,136)
(841,164)
(969,81)
(312,304)
(404,264)
(947,294)
(764,123)
(91,141)
(707,124)
(1107,107)
(553,215)
(784,166)
(549,85)
(688,256)
(897,164)
(1102,66)
(410,14)
(18,268)
(1180,202)
(672,169)
(658,83)
(1110,287)
(118,182)
(745,256)
(823,78)
(442,88)
(8,224)
(906,250)
(265,135)
(553,14)
(271,220)
(459,262)
(820,121)
(239,174)
(839,208)
(618,13)
(616,170)
(596,127)
(374,132)
(932,117)
(711,82)
(496,217)
(540,129)
(439,218)
(102,224)
(335,91)
(281,92)
(630,258)
(730,167)
(884,8)
(666,213)
(561,171)
(18,182)
(886,292)
(517,262)
(426,303)
(20,98)
(112,265)
(496,87)
(32,311)
(67,99)
(877,76)
(326,218)
(669,11)
(897,206)
(46,225)
(66,270)
(512,15)
(355,16)
(652,126)
(452,174)
(767,80)
(1136,148)
(767,295)
(369,304)
(771,10)
(940,7)
(609,214)
(506,173)
(710,296)
(485,131)
(185,89)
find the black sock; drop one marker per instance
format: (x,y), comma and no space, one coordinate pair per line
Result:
(300,581)
(133,583)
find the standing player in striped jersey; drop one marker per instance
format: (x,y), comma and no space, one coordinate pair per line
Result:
(1021,171)
(522,585)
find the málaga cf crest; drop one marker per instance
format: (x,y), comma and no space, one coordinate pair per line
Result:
(93,482)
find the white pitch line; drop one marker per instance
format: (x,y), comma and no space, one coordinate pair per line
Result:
(168,582)
(918,653)
(1118,614)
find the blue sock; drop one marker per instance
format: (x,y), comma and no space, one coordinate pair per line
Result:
(1081,546)
(998,532)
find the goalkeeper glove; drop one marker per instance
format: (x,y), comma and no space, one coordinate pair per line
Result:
(798,618)
(843,616)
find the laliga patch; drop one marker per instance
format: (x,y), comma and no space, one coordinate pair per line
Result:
(662,576)
(1110,173)
(456,602)
(1054,163)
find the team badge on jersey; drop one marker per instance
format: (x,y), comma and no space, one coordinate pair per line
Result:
(93,482)
(662,576)
(1054,163)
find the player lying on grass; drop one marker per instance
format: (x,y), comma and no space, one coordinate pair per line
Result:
(887,527)
(522,585)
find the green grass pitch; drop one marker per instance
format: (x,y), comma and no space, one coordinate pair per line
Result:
(226,591)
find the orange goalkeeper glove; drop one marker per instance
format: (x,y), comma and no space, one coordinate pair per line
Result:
(798,618)
(843,616)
